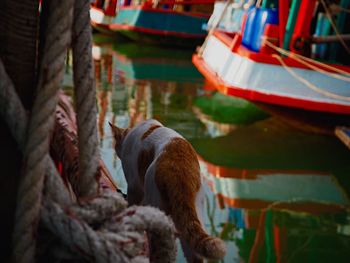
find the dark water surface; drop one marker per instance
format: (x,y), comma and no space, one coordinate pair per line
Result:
(274,193)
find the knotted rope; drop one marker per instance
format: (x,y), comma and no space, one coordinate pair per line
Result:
(98,229)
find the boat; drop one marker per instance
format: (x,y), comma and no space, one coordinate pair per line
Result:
(277,60)
(171,23)
(102,14)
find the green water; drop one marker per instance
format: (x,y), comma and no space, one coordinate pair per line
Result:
(274,193)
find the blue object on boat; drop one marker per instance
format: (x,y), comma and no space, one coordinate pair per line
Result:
(257,18)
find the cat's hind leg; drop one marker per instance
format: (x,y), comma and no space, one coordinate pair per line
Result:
(152,195)
(135,193)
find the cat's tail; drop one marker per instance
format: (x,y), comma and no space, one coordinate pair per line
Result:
(180,186)
(184,215)
(192,232)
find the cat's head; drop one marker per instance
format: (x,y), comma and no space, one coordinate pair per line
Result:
(118,135)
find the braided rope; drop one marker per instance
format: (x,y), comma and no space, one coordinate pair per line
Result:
(85,94)
(156,223)
(10,105)
(95,246)
(100,208)
(121,239)
(30,188)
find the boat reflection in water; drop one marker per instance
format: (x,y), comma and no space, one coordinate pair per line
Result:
(279,194)
(274,194)
(150,82)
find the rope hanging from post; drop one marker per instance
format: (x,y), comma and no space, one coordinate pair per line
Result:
(85,95)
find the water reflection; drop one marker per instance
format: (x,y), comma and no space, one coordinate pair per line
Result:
(284,193)
(274,194)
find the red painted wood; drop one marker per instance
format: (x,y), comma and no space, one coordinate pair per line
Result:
(110,8)
(267,58)
(302,25)
(272,33)
(98,25)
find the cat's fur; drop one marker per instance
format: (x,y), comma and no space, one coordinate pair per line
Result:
(162,170)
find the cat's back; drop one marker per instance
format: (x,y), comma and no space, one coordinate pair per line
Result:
(148,134)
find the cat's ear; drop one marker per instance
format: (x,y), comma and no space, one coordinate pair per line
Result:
(115,129)
(118,133)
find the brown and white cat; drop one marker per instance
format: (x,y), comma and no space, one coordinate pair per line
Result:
(162,170)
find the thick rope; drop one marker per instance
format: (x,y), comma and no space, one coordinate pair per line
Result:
(94,246)
(100,208)
(85,95)
(121,239)
(29,194)
(157,225)
(10,105)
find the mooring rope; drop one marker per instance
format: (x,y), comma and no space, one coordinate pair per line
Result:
(309,84)
(309,63)
(85,95)
(336,30)
(214,27)
(40,125)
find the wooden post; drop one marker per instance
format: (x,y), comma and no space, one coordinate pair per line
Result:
(18,50)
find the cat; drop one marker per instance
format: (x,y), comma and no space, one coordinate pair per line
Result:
(162,170)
